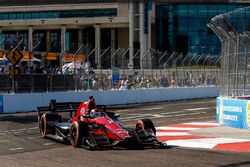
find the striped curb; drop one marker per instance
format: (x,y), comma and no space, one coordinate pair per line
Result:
(180,135)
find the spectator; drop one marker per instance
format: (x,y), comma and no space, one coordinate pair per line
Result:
(66,72)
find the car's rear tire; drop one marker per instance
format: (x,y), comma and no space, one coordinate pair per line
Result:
(43,126)
(145,124)
(76,133)
(44,120)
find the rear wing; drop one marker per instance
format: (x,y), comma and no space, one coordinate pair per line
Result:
(60,107)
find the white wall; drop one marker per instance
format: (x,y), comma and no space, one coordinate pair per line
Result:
(29,102)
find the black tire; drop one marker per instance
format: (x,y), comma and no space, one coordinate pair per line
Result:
(145,124)
(88,143)
(136,140)
(76,133)
(44,120)
(43,126)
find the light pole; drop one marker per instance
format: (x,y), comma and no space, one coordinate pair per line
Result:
(74,56)
(90,63)
(105,51)
(124,53)
(159,60)
(175,62)
(190,64)
(142,59)
(112,56)
(167,62)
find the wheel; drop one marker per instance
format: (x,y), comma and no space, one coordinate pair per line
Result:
(43,126)
(89,143)
(76,134)
(45,120)
(145,124)
(136,140)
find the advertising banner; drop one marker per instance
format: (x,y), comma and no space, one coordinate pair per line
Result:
(233,113)
(115,74)
(1,103)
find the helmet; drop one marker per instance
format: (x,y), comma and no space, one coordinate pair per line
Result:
(94,113)
(91,98)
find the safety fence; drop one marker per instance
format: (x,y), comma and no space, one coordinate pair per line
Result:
(102,80)
(233,31)
(75,69)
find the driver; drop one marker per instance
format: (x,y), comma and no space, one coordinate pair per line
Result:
(92,104)
(92,110)
(94,113)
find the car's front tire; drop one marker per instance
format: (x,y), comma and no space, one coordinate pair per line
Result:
(145,124)
(76,134)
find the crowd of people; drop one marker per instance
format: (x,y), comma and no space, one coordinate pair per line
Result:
(97,82)
(86,80)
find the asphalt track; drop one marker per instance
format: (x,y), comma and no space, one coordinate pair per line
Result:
(21,145)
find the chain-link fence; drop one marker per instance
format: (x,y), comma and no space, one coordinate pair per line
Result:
(75,69)
(233,31)
(102,80)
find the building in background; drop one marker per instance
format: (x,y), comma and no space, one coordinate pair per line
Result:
(182,26)
(60,26)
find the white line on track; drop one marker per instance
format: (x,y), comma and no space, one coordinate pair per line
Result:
(174,128)
(152,117)
(15,130)
(172,134)
(155,108)
(197,109)
(184,119)
(206,117)
(133,115)
(29,131)
(33,128)
(48,144)
(202,123)
(14,149)
(3,141)
(30,138)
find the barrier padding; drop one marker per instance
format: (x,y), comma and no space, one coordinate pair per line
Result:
(29,101)
(233,113)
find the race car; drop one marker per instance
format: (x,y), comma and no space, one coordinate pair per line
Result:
(92,127)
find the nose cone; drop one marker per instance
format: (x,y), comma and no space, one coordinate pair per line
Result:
(113,126)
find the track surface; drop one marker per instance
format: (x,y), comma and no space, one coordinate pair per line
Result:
(21,145)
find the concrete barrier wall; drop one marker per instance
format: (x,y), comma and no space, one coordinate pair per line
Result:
(29,102)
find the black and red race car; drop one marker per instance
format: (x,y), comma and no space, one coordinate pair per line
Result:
(92,127)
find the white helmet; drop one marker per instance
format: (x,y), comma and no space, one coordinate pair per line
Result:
(94,113)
